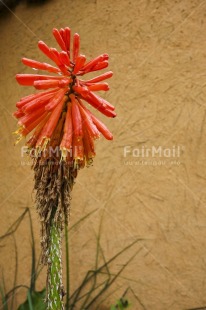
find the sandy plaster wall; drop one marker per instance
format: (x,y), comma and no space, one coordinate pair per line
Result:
(158,55)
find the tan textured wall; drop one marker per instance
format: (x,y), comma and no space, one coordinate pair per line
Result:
(157,52)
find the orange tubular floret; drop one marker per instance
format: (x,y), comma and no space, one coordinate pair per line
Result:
(27,97)
(98,104)
(35,123)
(57,59)
(18,114)
(37,103)
(52,122)
(45,84)
(82,90)
(80,61)
(88,147)
(56,56)
(88,124)
(67,38)
(56,136)
(97,87)
(30,98)
(100,66)
(30,118)
(29,79)
(64,82)
(59,39)
(56,99)
(46,50)
(101,102)
(62,33)
(76,117)
(39,65)
(32,141)
(87,67)
(66,142)
(76,45)
(109,105)
(95,63)
(100,126)
(77,148)
(100,78)
(64,58)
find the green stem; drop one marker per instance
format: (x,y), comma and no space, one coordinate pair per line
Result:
(54,280)
(67,266)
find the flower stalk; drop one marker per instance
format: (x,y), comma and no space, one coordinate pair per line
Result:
(55,291)
(67,266)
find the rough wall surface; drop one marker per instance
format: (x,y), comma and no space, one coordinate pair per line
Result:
(158,54)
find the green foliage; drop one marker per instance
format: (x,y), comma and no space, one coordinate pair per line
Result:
(94,289)
(98,281)
(3,296)
(121,304)
(34,301)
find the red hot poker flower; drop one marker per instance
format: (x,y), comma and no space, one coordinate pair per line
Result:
(59,109)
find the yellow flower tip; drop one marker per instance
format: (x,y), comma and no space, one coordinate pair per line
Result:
(43,144)
(89,161)
(18,131)
(18,139)
(64,153)
(79,163)
(76,164)
(78,158)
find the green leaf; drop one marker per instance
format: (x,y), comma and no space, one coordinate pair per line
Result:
(121,304)
(3,297)
(34,301)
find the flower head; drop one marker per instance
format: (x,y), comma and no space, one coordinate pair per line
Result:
(57,115)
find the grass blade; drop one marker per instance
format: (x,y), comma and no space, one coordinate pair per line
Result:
(33,269)
(30,300)
(67,267)
(82,219)
(112,281)
(3,295)
(16,269)
(15,225)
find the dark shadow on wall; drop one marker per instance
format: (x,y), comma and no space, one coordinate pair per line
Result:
(6,6)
